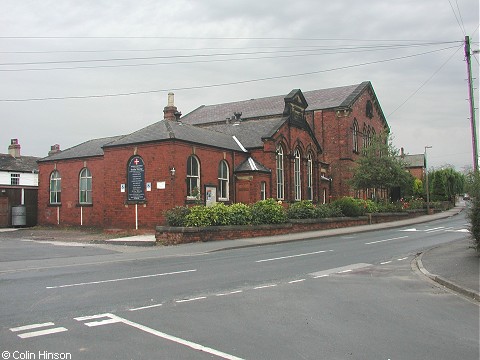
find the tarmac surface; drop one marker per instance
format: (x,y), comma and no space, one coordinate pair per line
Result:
(453,265)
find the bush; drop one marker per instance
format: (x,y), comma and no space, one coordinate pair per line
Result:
(268,212)
(176,216)
(368,206)
(301,210)
(474,216)
(219,214)
(390,207)
(323,211)
(199,215)
(239,214)
(349,206)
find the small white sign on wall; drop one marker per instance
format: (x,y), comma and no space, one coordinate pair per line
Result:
(160,184)
(149,186)
(122,188)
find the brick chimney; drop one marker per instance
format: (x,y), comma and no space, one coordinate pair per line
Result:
(54,149)
(170,111)
(14,148)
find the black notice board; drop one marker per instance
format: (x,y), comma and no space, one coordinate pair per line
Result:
(136,179)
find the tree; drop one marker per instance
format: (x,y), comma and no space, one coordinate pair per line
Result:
(446,184)
(380,167)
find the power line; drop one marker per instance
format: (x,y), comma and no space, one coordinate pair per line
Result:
(359,48)
(219,48)
(455,14)
(187,62)
(425,82)
(219,84)
(202,38)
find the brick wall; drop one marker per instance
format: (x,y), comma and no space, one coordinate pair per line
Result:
(167,235)
(69,212)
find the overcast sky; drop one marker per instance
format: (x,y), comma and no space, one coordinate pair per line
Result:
(217,51)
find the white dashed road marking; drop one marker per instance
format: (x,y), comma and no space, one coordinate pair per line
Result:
(120,279)
(338,270)
(380,241)
(293,256)
(37,332)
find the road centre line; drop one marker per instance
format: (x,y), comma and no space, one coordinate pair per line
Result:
(342,269)
(192,299)
(405,258)
(385,262)
(296,281)
(380,241)
(264,286)
(120,279)
(293,256)
(145,307)
(190,344)
(230,293)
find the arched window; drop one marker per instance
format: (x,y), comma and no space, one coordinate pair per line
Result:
(223,180)
(365,139)
(193,178)
(297,175)
(280,174)
(85,186)
(355,135)
(55,187)
(309,177)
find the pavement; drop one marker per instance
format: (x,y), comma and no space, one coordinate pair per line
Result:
(453,265)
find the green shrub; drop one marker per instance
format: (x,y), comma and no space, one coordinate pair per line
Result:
(219,214)
(239,214)
(474,216)
(199,215)
(176,216)
(323,211)
(350,206)
(390,207)
(301,210)
(268,212)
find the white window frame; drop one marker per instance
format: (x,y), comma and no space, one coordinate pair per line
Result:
(85,187)
(55,187)
(193,180)
(263,190)
(310,177)
(15,179)
(297,175)
(223,181)
(280,173)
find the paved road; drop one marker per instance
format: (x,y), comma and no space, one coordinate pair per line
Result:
(353,296)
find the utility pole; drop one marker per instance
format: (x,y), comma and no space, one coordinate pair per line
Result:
(472,105)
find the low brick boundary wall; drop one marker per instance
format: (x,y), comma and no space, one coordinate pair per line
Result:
(171,235)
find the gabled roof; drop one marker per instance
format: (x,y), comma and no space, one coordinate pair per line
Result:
(18,164)
(250,165)
(87,149)
(417,160)
(250,133)
(167,129)
(338,97)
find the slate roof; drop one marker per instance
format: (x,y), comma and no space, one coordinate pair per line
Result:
(167,129)
(87,149)
(250,133)
(250,165)
(417,160)
(19,164)
(337,97)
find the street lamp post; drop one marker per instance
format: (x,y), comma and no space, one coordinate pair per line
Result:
(426,179)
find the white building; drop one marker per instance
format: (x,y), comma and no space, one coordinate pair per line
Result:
(18,186)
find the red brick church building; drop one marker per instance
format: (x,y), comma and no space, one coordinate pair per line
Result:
(295,147)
